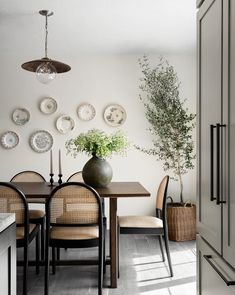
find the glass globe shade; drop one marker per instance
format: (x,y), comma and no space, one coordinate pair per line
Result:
(45,72)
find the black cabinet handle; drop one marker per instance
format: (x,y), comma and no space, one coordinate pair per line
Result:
(218,160)
(209,260)
(217,164)
(212,162)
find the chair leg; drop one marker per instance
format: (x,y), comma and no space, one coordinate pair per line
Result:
(57,253)
(101,252)
(25,271)
(42,238)
(168,254)
(53,261)
(46,285)
(37,247)
(118,250)
(162,252)
(104,254)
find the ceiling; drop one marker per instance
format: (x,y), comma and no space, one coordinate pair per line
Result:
(98,26)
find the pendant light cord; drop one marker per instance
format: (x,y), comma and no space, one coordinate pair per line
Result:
(46,34)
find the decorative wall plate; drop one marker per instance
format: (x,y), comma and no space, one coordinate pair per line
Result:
(48,105)
(9,140)
(86,112)
(20,116)
(41,141)
(114,115)
(64,124)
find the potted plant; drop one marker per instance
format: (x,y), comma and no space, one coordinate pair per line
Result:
(171,127)
(97,172)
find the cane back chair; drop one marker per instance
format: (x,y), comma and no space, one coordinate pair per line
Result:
(74,220)
(150,225)
(77,177)
(12,200)
(35,216)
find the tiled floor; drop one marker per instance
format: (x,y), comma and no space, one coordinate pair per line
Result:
(147,276)
(140,271)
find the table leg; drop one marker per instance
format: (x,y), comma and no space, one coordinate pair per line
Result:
(113,241)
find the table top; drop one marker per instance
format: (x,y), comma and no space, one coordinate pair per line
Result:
(113,190)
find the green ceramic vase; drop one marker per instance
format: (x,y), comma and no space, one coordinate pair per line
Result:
(97,172)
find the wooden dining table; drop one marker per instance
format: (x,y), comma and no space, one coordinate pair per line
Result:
(114,191)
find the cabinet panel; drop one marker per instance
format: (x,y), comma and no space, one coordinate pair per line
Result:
(210,101)
(229,138)
(8,261)
(210,271)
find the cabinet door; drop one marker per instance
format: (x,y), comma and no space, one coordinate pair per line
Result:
(229,135)
(209,113)
(213,275)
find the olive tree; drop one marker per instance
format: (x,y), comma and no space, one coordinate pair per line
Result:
(171,122)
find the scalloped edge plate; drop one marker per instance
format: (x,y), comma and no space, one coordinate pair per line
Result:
(20,116)
(9,139)
(48,105)
(65,124)
(41,141)
(115,115)
(86,111)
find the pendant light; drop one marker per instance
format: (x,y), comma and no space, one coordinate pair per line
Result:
(46,68)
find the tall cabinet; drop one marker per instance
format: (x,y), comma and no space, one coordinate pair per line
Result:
(216,147)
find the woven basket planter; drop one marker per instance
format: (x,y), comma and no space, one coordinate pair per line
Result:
(181,220)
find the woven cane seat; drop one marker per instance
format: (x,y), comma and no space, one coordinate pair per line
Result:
(74,233)
(140,221)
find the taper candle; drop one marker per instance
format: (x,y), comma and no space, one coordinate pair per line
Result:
(51,162)
(60,170)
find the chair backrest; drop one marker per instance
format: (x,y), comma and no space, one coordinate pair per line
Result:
(74,203)
(28,176)
(76,177)
(162,194)
(12,200)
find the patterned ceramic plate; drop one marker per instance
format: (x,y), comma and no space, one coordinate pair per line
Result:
(48,105)
(9,140)
(41,141)
(114,115)
(64,124)
(86,112)
(20,116)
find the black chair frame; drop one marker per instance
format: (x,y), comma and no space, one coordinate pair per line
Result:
(28,237)
(74,243)
(41,220)
(162,232)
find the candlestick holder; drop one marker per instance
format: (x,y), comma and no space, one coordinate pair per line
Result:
(60,178)
(51,179)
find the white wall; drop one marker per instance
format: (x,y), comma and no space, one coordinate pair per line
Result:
(99,80)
